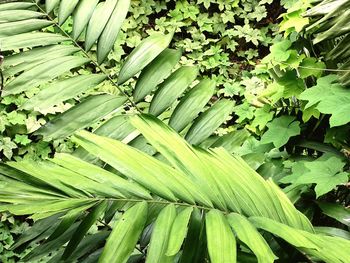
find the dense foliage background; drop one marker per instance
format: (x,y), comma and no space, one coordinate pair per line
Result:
(281,70)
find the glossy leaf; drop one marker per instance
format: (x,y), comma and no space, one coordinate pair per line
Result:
(62,90)
(98,22)
(47,71)
(82,15)
(172,88)
(30,40)
(156,72)
(191,104)
(111,30)
(160,236)
(142,55)
(179,231)
(248,234)
(84,114)
(25,26)
(66,9)
(83,228)
(125,234)
(209,121)
(220,238)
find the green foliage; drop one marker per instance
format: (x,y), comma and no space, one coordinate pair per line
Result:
(325,172)
(213,181)
(146,191)
(280,130)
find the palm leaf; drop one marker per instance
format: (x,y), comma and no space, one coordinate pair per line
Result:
(233,200)
(57,58)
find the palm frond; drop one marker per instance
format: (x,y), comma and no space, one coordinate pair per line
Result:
(330,29)
(57,58)
(175,202)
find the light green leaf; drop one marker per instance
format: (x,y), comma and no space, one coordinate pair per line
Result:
(125,235)
(110,32)
(248,234)
(66,9)
(143,54)
(179,231)
(191,104)
(68,88)
(86,113)
(172,88)
(220,238)
(209,121)
(326,174)
(281,130)
(98,22)
(160,236)
(47,70)
(338,212)
(156,72)
(82,15)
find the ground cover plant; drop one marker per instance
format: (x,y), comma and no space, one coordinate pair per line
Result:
(174,131)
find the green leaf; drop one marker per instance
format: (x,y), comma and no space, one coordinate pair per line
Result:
(338,212)
(220,238)
(22,139)
(191,104)
(179,231)
(209,121)
(330,98)
(326,248)
(110,32)
(15,28)
(6,146)
(10,15)
(280,52)
(294,20)
(14,6)
(326,174)
(80,116)
(156,72)
(82,15)
(311,67)
(98,22)
(143,54)
(194,248)
(47,71)
(172,88)
(248,234)
(66,9)
(83,228)
(160,236)
(68,88)
(50,5)
(125,234)
(30,40)
(281,130)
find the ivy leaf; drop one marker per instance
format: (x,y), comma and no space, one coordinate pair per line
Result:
(294,20)
(280,52)
(281,130)
(245,112)
(16,118)
(331,98)
(292,84)
(326,174)
(319,92)
(22,139)
(262,117)
(6,146)
(311,67)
